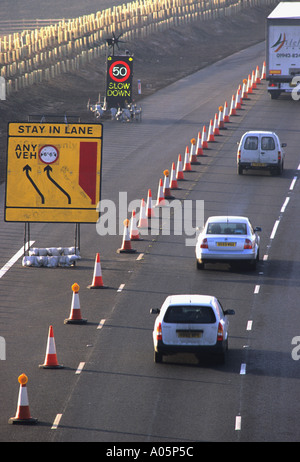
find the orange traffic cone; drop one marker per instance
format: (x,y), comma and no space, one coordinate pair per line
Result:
(221,123)
(75,313)
(187,165)
(216,130)
(97,276)
(232,107)
(249,86)
(257,78)
(193,157)
(160,201)
(253,80)
(166,189)
(210,136)
(204,138)
(126,244)
(134,232)
(51,357)
(179,171)
(263,72)
(23,413)
(199,149)
(225,115)
(143,220)
(244,90)
(149,208)
(173,180)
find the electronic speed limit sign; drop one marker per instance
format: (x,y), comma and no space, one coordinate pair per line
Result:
(119,81)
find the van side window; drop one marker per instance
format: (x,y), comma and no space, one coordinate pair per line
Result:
(251,143)
(267,143)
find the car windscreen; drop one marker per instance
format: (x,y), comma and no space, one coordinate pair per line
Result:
(227,228)
(190,314)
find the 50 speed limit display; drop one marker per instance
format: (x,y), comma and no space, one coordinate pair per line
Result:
(119,81)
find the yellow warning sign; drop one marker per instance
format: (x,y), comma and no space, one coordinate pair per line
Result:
(53,172)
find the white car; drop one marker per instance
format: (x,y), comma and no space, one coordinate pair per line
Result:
(260,150)
(228,239)
(191,324)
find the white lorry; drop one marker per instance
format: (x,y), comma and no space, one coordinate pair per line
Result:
(283,49)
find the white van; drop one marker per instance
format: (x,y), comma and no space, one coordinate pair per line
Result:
(260,150)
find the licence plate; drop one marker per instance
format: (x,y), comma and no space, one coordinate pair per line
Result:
(226,244)
(189,333)
(257,164)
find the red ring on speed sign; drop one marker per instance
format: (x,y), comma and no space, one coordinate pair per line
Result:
(122,79)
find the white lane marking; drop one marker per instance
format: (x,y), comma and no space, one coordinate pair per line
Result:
(121,288)
(243,369)
(238,422)
(79,368)
(274,229)
(14,259)
(256,289)
(101,324)
(249,325)
(265,257)
(56,422)
(285,205)
(141,255)
(293,183)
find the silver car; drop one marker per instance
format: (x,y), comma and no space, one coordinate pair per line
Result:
(191,324)
(228,239)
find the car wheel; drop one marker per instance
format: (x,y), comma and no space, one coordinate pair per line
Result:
(158,357)
(240,170)
(200,266)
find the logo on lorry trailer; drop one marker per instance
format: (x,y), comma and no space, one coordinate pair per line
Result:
(279,43)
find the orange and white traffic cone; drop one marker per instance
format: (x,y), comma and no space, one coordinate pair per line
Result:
(143,220)
(134,232)
(75,313)
(160,201)
(253,79)
(210,135)
(257,78)
(249,86)
(221,123)
(126,244)
(199,149)
(226,115)
(51,357)
(23,416)
(263,72)
(187,165)
(204,138)
(97,276)
(149,207)
(173,180)
(179,170)
(238,104)
(244,90)
(216,130)
(232,110)
(166,188)
(193,157)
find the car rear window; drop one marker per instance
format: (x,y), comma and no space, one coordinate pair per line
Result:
(227,228)
(251,143)
(267,143)
(190,315)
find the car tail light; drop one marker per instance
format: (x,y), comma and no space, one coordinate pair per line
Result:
(248,244)
(273,85)
(279,155)
(220,332)
(159,332)
(239,155)
(204,244)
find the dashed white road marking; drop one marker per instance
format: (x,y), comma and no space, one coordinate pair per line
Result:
(256,289)
(249,325)
(121,288)
(79,368)
(238,422)
(56,422)
(273,233)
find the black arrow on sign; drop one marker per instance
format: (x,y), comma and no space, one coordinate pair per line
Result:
(27,169)
(48,169)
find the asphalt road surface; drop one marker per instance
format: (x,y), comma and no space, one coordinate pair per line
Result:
(119,394)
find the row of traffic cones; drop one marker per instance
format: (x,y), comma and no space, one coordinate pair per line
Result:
(191,157)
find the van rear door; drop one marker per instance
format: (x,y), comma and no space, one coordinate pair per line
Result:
(250,151)
(268,150)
